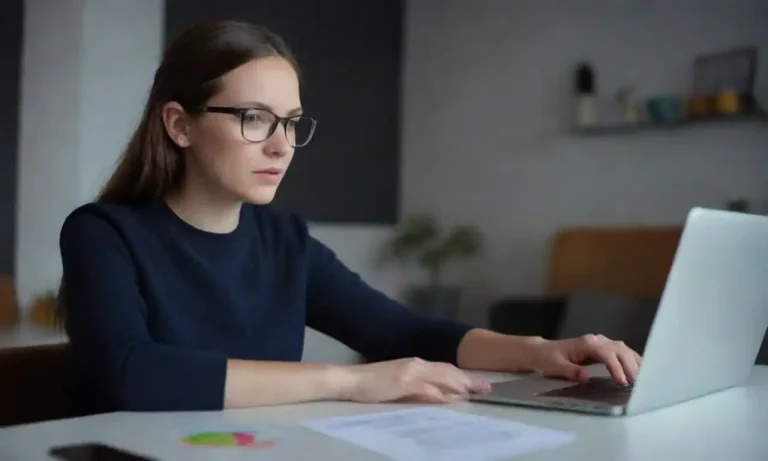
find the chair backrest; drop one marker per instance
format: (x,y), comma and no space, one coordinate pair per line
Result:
(624,318)
(9,313)
(632,261)
(33,383)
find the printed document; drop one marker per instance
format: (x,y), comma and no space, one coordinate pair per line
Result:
(438,433)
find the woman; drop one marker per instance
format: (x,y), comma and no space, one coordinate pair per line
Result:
(184,290)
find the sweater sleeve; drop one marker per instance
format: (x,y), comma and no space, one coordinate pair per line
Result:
(109,339)
(343,306)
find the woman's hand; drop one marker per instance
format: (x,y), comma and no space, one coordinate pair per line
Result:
(564,358)
(410,379)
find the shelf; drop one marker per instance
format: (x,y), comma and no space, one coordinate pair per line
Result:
(617,129)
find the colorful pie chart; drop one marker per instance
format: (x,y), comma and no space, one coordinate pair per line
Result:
(227,439)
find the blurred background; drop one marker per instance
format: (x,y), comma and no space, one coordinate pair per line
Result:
(521,165)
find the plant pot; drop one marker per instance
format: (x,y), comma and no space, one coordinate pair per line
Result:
(44,312)
(438,300)
(9,313)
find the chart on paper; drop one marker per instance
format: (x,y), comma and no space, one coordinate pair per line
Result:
(438,433)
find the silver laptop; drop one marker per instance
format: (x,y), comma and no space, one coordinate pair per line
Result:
(706,334)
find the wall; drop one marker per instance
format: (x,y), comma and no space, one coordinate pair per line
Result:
(485,140)
(84,75)
(11,21)
(49,143)
(117,70)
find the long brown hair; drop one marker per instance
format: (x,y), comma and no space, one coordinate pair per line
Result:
(190,74)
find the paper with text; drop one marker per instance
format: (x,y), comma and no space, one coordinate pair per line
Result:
(440,434)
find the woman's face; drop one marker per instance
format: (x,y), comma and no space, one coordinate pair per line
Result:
(247,169)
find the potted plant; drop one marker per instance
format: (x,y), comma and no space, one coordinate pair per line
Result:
(44,308)
(422,240)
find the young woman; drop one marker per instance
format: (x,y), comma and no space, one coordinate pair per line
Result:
(184,290)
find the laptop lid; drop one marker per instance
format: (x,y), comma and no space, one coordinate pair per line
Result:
(713,312)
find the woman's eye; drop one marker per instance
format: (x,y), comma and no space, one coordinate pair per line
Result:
(255,118)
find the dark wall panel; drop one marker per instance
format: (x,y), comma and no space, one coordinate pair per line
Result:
(11,27)
(350,55)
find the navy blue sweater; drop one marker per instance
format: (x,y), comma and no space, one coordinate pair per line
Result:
(156,306)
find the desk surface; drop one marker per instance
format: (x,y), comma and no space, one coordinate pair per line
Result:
(727,425)
(27,333)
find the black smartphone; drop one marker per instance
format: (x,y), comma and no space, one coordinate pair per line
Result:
(95,452)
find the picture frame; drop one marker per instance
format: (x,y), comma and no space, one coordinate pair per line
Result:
(731,70)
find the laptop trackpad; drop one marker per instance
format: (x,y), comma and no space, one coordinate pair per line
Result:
(596,390)
(529,386)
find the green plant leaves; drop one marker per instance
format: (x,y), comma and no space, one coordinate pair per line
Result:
(414,234)
(463,241)
(420,238)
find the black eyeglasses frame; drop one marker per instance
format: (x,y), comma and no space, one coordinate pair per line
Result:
(240,112)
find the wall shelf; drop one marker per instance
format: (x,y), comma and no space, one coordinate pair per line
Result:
(630,128)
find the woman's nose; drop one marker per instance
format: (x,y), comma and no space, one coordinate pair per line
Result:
(277,145)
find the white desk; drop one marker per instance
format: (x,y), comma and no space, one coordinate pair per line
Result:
(27,333)
(730,425)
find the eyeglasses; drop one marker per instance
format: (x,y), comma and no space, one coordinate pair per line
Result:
(257,125)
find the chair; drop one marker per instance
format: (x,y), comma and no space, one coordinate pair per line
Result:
(9,313)
(623,261)
(33,384)
(605,280)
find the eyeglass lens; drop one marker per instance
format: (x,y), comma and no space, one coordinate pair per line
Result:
(257,126)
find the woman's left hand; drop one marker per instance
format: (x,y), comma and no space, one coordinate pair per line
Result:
(565,358)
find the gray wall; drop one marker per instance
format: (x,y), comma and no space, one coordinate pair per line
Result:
(11,25)
(485,134)
(87,68)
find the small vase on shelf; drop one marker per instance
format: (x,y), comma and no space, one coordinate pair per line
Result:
(585,96)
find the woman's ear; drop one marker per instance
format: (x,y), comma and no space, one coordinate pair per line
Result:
(176,123)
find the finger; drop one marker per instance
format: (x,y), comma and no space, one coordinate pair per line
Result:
(564,368)
(628,364)
(479,386)
(450,387)
(629,360)
(572,371)
(612,363)
(430,393)
(448,378)
(473,384)
(616,369)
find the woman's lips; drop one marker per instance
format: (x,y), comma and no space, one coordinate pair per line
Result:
(271,174)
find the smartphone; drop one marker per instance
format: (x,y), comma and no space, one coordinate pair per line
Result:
(95,452)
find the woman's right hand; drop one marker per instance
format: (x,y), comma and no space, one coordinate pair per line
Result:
(410,379)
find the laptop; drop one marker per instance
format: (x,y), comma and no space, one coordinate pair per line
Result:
(704,338)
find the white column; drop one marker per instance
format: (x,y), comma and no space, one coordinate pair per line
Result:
(86,70)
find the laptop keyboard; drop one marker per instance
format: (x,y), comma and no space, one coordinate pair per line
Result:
(596,389)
